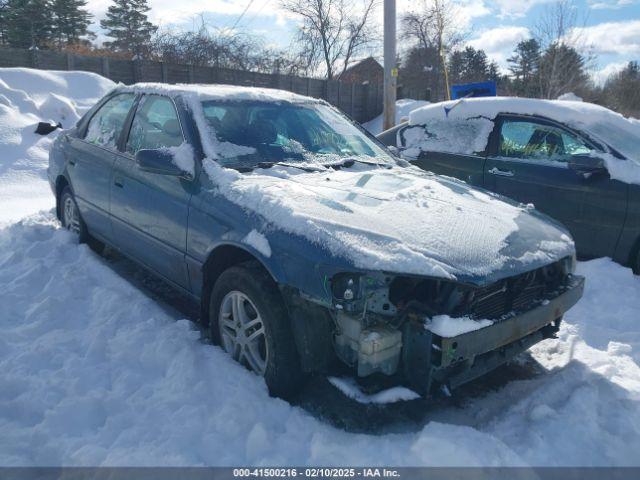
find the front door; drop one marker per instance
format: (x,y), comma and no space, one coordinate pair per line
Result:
(528,162)
(150,211)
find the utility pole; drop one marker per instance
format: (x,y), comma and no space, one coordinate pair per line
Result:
(390,70)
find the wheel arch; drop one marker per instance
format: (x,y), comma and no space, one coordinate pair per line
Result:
(221,258)
(61,183)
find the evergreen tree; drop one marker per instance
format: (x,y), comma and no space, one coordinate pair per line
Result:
(622,90)
(456,67)
(28,23)
(562,70)
(468,65)
(476,65)
(3,21)
(524,66)
(128,25)
(70,21)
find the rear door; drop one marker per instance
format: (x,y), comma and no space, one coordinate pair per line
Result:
(91,158)
(529,161)
(440,149)
(150,211)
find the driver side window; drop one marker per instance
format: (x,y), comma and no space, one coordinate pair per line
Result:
(155,125)
(538,141)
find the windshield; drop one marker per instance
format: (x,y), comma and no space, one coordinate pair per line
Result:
(253,133)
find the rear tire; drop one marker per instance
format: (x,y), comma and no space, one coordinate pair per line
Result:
(72,220)
(248,318)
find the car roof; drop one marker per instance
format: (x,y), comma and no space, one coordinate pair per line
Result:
(598,122)
(217,92)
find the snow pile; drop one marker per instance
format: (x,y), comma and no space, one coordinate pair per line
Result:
(27,97)
(94,372)
(570,97)
(398,219)
(403,108)
(350,388)
(217,92)
(602,124)
(448,327)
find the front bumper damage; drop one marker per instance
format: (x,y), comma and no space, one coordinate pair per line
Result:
(429,359)
(424,360)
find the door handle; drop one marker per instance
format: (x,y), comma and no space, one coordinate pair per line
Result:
(72,163)
(118,182)
(502,173)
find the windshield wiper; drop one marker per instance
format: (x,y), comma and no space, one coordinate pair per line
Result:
(349,162)
(305,168)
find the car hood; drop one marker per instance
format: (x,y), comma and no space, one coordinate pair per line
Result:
(400,220)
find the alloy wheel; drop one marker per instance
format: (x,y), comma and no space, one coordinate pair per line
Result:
(242,331)
(70,215)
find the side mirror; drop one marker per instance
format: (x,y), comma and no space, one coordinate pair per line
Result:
(45,128)
(587,166)
(159,161)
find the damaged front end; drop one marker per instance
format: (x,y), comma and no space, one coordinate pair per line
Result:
(382,323)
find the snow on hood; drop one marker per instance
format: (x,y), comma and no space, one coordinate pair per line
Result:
(399,220)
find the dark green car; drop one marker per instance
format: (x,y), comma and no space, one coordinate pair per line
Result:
(577,162)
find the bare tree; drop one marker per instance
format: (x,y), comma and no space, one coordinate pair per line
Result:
(333,32)
(209,46)
(435,26)
(566,55)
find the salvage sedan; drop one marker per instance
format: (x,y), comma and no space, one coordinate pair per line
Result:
(304,241)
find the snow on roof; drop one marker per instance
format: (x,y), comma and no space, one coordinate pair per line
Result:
(604,125)
(218,92)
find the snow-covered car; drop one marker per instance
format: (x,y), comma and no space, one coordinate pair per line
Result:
(577,162)
(303,240)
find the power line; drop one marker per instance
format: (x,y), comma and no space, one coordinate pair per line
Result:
(242,14)
(253,17)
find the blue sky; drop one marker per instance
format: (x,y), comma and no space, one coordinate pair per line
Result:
(611,28)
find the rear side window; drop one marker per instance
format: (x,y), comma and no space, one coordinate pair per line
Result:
(155,125)
(106,125)
(531,140)
(464,136)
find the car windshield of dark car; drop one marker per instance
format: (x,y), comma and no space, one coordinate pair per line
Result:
(253,133)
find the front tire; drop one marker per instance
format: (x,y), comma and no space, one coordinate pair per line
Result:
(248,319)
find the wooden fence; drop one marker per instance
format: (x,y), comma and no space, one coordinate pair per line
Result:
(361,101)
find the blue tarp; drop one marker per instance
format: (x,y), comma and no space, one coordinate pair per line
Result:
(481,89)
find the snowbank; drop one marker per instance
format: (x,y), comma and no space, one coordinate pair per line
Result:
(27,97)
(602,124)
(94,372)
(403,108)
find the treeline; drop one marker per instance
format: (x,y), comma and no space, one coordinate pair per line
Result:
(64,25)
(435,54)
(555,61)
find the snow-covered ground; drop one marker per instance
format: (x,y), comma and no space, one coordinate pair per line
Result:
(403,108)
(95,372)
(27,97)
